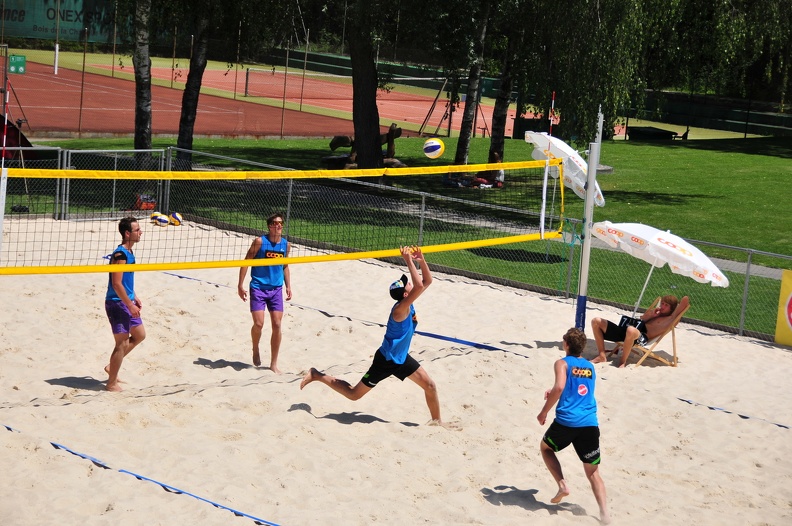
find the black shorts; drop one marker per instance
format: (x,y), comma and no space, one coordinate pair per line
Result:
(584,439)
(382,368)
(616,333)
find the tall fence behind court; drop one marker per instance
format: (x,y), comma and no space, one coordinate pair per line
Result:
(748,307)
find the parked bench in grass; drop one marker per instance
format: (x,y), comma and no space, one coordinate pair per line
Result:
(649,133)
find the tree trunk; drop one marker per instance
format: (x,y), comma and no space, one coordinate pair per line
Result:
(471,98)
(192,90)
(501,111)
(469,114)
(365,114)
(142,65)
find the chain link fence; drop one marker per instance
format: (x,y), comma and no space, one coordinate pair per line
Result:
(321,213)
(748,306)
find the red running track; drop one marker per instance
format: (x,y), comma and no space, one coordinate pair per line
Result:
(71,104)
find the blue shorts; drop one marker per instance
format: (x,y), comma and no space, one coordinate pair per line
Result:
(121,321)
(266,299)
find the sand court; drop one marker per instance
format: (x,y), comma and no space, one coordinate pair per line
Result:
(704,443)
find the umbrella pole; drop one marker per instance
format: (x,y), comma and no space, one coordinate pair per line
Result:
(635,308)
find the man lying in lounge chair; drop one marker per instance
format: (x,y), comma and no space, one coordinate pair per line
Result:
(652,323)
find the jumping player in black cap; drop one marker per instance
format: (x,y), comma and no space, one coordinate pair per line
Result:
(393,358)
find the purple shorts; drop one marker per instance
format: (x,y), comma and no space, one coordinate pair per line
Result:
(121,321)
(271,299)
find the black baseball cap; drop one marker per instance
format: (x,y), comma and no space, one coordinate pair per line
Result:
(397,288)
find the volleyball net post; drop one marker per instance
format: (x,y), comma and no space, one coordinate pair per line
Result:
(3,171)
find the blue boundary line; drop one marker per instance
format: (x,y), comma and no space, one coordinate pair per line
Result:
(463,342)
(172,489)
(166,487)
(744,417)
(81,455)
(477,345)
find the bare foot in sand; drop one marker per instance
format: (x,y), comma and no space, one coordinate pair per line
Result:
(114,387)
(273,368)
(563,491)
(599,359)
(311,376)
(107,370)
(447,425)
(256,359)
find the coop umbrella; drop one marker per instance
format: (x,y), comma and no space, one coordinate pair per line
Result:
(658,248)
(575,168)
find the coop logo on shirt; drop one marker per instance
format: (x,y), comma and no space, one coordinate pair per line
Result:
(582,390)
(581,372)
(271,254)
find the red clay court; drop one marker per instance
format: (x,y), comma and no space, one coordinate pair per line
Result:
(69,104)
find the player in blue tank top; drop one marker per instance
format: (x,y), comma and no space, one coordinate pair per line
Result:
(398,336)
(266,287)
(393,357)
(575,421)
(122,305)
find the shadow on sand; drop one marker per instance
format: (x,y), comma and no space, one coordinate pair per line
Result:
(524,498)
(87,383)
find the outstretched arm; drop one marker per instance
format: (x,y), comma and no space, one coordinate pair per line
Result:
(420,281)
(426,274)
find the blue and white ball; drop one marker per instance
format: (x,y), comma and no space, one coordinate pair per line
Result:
(153,217)
(161,220)
(175,219)
(433,148)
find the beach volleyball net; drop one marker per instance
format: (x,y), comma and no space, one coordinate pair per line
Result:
(66,221)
